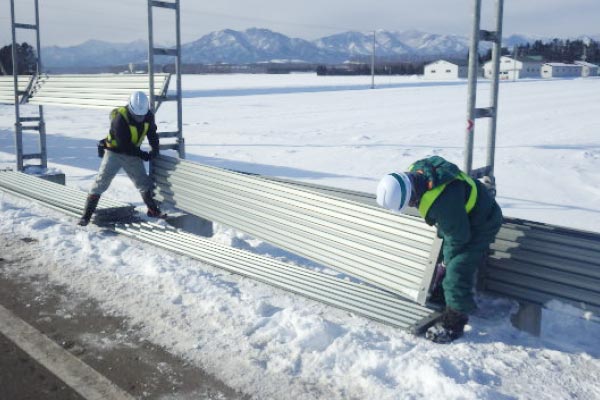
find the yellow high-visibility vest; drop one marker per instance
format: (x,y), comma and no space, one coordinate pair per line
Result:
(136,138)
(431,195)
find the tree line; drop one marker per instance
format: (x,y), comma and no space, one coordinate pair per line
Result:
(27,59)
(398,68)
(557,50)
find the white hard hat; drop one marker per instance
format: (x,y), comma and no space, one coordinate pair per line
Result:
(138,104)
(394,191)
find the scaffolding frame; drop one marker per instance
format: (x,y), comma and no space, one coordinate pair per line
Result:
(179,144)
(495,37)
(39,124)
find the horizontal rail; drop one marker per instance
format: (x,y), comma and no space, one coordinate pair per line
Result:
(537,263)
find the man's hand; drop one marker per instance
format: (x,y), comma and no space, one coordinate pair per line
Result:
(144,155)
(154,153)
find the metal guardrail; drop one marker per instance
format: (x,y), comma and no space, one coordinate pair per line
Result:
(62,198)
(535,263)
(7,89)
(361,299)
(391,251)
(93,91)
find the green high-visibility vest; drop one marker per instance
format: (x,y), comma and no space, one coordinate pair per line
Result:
(136,138)
(430,196)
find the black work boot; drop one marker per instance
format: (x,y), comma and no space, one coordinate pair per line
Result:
(90,206)
(153,209)
(450,327)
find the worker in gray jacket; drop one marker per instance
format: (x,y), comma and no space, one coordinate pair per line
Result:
(130,125)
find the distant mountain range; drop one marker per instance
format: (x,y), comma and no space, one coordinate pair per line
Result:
(262,45)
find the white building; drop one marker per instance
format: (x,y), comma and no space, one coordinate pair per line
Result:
(442,69)
(561,70)
(588,69)
(511,68)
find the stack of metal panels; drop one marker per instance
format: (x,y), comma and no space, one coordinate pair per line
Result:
(7,88)
(93,91)
(363,300)
(536,263)
(394,252)
(68,200)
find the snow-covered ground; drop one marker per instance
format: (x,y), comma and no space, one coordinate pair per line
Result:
(333,131)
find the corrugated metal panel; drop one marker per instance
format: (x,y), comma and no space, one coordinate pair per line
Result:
(7,89)
(536,263)
(92,91)
(392,251)
(68,200)
(363,300)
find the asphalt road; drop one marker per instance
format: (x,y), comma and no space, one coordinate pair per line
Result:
(107,343)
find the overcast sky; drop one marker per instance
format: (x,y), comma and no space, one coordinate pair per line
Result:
(70,22)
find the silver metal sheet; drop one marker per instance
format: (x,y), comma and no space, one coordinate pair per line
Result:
(392,251)
(93,90)
(536,263)
(60,197)
(7,90)
(363,300)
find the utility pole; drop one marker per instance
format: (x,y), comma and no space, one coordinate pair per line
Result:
(515,53)
(373,63)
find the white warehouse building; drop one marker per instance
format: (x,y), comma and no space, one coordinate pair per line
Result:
(511,68)
(588,69)
(442,69)
(561,70)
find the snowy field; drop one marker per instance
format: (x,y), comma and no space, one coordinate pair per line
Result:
(333,131)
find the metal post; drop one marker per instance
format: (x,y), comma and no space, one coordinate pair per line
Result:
(151,56)
(152,51)
(496,51)
(180,140)
(486,172)
(41,128)
(15,65)
(39,66)
(472,87)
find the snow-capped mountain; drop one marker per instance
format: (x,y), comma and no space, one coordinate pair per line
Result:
(433,44)
(356,44)
(250,46)
(262,45)
(95,53)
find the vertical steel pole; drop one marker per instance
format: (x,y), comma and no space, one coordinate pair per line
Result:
(373,64)
(180,140)
(496,51)
(15,65)
(150,57)
(41,123)
(472,87)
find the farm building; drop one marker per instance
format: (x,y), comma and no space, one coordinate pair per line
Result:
(561,70)
(511,68)
(588,69)
(443,69)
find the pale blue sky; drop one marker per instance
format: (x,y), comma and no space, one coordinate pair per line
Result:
(68,22)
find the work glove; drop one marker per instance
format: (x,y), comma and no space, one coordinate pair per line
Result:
(154,153)
(144,155)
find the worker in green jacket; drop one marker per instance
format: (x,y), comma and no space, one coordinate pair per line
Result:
(467,218)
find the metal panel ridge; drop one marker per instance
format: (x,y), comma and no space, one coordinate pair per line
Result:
(537,263)
(348,236)
(360,299)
